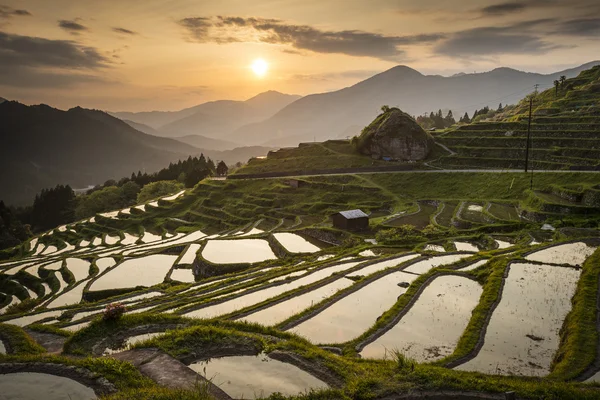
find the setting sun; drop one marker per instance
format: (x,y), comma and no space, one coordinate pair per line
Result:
(259,67)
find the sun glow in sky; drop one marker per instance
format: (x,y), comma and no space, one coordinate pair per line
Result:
(103,54)
(259,67)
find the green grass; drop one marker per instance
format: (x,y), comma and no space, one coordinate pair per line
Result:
(18,341)
(579,336)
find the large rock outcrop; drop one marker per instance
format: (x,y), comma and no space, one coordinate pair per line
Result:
(396,135)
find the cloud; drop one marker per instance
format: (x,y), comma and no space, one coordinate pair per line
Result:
(301,37)
(72,27)
(7,12)
(333,76)
(27,61)
(585,27)
(512,39)
(503,9)
(124,31)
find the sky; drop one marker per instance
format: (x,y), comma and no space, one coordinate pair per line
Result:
(143,55)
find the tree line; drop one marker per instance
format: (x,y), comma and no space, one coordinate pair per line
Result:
(60,205)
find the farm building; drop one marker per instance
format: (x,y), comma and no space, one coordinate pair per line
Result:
(351,220)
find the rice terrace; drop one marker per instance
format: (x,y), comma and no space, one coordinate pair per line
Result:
(346,242)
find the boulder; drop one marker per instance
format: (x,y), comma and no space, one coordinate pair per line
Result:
(397,136)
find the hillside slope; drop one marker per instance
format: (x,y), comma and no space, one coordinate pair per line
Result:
(329,115)
(44,146)
(564,131)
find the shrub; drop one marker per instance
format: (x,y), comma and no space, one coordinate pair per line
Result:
(114,311)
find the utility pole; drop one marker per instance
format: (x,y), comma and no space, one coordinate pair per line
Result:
(528,134)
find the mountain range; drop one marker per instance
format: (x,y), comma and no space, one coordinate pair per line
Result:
(212,119)
(44,146)
(344,112)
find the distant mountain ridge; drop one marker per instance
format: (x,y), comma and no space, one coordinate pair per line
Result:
(44,146)
(331,115)
(212,119)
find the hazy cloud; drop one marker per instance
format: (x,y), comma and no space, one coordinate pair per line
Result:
(124,31)
(301,37)
(29,61)
(332,76)
(492,41)
(503,8)
(197,27)
(72,27)
(7,12)
(589,27)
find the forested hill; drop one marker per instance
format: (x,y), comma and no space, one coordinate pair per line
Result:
(43,146)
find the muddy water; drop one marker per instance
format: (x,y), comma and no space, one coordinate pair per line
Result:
(464,246)
(249,377)
(61,282)
(30,319)
(132,340)
(2,347)
(595,378)
(264,294)
(36,386)
(295,243)
(47,290)
(473,266)
(79,268)
(238,251)
(105,263)
(282,311)
(73,296)
(14,270)
(253,231)
(150,237)
(424,266)
(143,271)
(175,196)
(503,245)
(183,275)
(431,328)
(77,327)
(352,315)
(129,239)
(570,253)
(110,240)
(190,254)
(49,250)
(380,266)
(13,301)
(97,241)
(535,302)
(55,266)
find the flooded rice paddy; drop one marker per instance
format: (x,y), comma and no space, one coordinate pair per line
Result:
(432,326)
(523,333)
(349,317)
(249,377)
(36,386)
(237,251)
(424,266)
(143,271)
(295,243)
(570,253)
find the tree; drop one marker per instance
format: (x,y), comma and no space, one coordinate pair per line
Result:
(449,120)
(466,118)
(556,85)
(195,176)
(385,108)
(53,207)
(563,79)
(130,191)
(222,168)
(500,108)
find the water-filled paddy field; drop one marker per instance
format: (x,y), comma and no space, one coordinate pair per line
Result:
(364,299)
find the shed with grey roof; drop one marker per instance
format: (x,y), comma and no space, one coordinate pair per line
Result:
(351,220)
